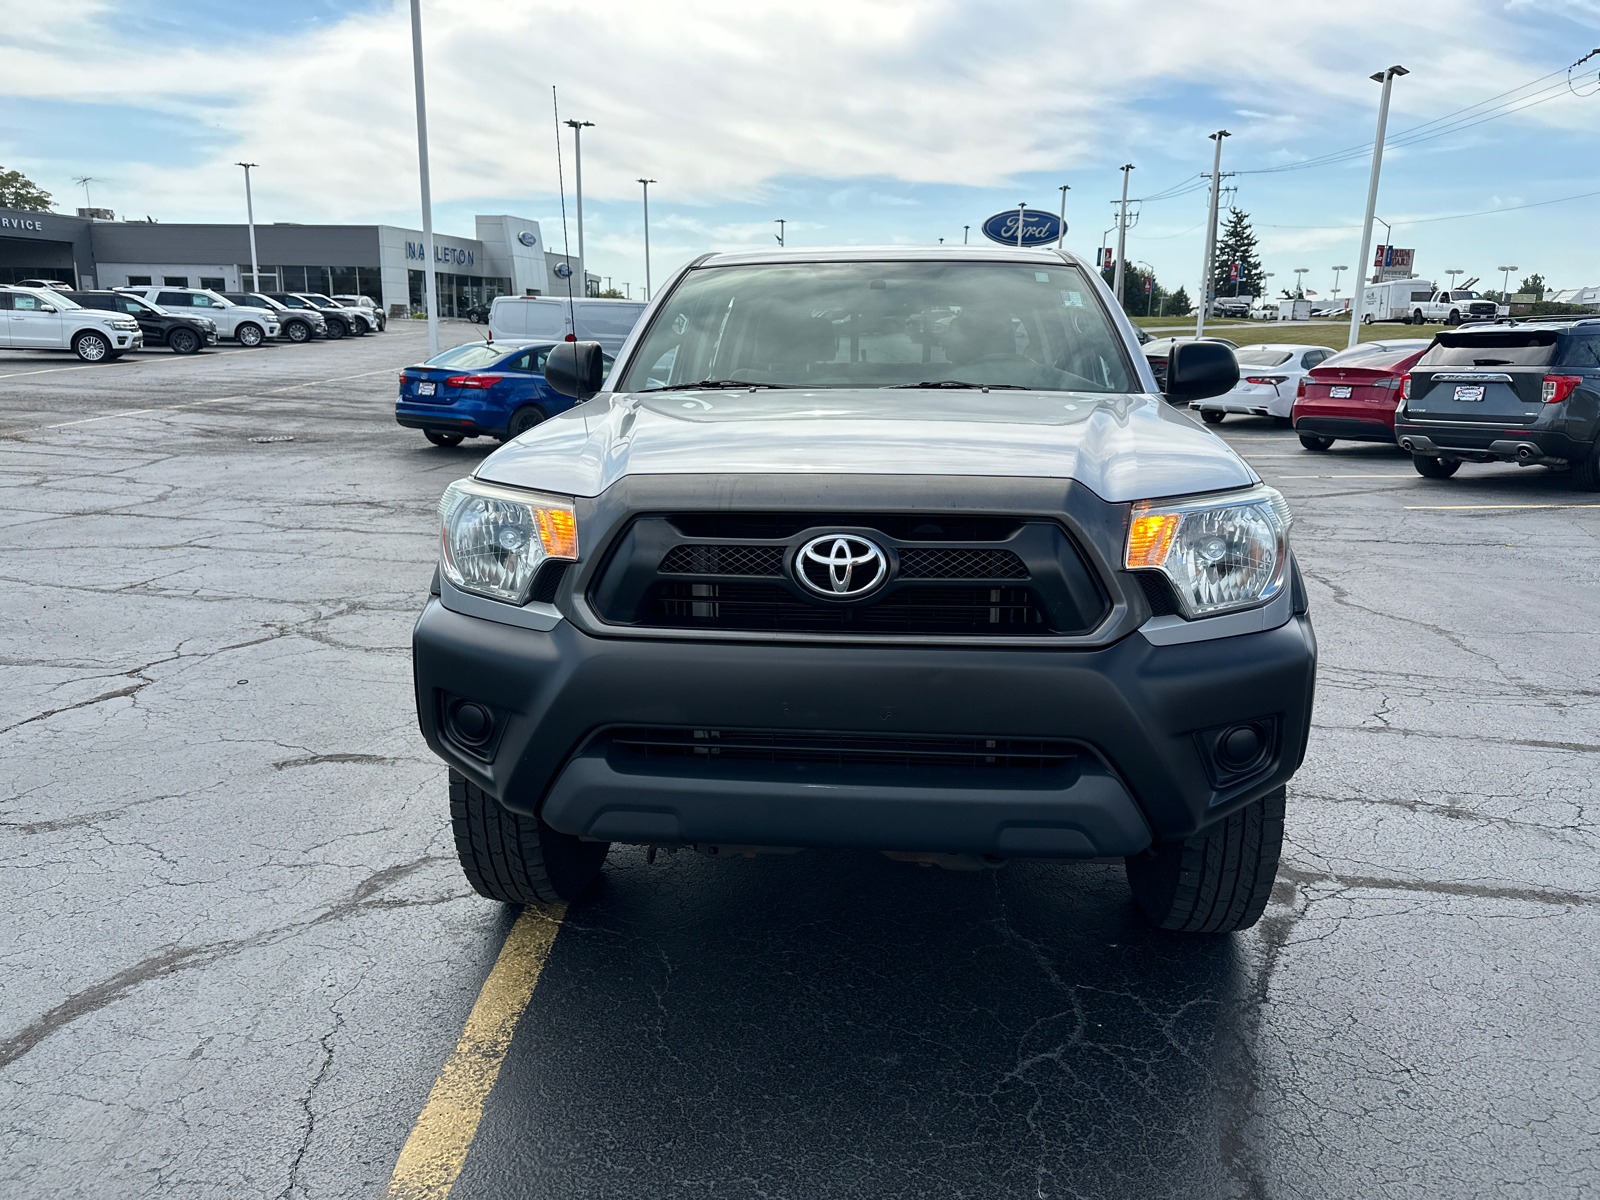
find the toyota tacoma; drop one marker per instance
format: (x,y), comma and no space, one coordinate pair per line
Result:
(888,549)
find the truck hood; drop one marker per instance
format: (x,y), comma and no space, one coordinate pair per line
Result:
(1122,447)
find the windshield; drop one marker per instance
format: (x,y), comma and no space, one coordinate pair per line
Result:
(1535,348)
(321,299)
(1263,358)
(469,356)
(883,324)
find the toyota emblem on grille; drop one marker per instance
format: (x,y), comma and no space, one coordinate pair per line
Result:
(840,566)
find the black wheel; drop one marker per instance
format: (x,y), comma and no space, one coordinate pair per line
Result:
(1212,416)
(1435,468)
(249,335)
(1217,881)
(1453,319)
(524,419)
(1585,472)
(91,347)
(1417,318)
(518,859)
(336,330)
(297,331)
(358,327)
(184,341)
(440,438)
(1315,441)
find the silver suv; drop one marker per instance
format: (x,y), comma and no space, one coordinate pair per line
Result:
(42,319)
(891,549)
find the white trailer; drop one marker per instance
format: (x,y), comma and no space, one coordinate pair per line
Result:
(1394,299)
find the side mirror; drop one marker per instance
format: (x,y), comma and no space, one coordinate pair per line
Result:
(47,308)
(576,369)
(1196,370)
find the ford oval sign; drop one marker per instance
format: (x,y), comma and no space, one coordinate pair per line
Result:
(1040,228)
(526,238)
(564,270)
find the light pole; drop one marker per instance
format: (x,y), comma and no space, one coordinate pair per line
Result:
(1152,271)
(430,287)
(577,171)
(1122,233)
(1022,219)
(1387,79)
(1300,282)
(1453,272)
(1336,271)
(782,225)
(1211,233)
(1065,188)
(1505,282)
(964,229)
(647,183)
(250,216)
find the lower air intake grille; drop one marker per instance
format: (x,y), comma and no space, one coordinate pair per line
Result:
(709,746)
(764,606)
(723,560)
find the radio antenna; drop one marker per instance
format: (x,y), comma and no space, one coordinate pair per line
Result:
(566,246)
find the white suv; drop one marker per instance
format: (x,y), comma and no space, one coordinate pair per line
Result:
(40,319)
(368,306)
(247,326)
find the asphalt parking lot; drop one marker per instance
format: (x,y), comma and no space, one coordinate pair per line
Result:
(239,953)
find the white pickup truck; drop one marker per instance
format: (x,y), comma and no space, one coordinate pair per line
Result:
(1420,302)
(1452,307)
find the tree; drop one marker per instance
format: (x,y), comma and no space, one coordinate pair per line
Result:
(1237,245)
(1533,284)
(18,191)
(1136,301)
(1180,304)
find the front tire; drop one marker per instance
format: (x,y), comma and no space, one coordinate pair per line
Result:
(250,336)
(1217,881)
(336,330)
(1453,319)
(1435,468)
(91,347)
(297,331)
(184,341)
(1212,416)
(1315,441)
(518,859)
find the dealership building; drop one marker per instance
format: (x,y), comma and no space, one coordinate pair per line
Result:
(385,262)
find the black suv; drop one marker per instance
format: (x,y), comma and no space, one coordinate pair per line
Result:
(1524,392)
(296,326)
(182,335)
(338,323)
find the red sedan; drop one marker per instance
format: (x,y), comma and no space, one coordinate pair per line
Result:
(1352,396)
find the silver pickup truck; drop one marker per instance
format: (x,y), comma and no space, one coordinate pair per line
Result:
(894,549)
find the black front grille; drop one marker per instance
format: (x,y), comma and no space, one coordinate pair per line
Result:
(765,606)
(710,747)
(723,560)
(918,563)
(1158,592)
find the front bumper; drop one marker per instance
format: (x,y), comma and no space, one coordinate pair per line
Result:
(1140,712)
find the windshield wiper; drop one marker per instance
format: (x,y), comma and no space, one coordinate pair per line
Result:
(956,383)
(710,384)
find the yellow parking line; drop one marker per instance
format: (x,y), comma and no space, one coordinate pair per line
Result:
(433,1155)
(1463,507)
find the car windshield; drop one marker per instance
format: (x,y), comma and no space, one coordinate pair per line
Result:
(321,299)
(1263,358)
(883,324)
(469,357)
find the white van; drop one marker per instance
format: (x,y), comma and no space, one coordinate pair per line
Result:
(608,322)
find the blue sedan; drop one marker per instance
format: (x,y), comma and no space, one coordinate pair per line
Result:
(493,389)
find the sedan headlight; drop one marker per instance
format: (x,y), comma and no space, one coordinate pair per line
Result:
(1221,554)
(495,538)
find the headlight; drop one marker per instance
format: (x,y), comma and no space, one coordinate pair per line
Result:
(1221,554)
(495,538)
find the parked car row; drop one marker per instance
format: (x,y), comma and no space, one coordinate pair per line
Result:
(103,325)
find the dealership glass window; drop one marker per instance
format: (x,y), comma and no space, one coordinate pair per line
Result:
(214,282)
(174,281)
(329,281)
(138,281)
(457,293)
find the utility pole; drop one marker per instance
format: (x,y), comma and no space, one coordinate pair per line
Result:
(1122,233)
(647,183)
(1211,232)
(1065,188)
(1387,79)
(250,216)
(577,169)
(782,229)
(429,284)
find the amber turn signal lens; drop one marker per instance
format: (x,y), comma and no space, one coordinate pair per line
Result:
(558,531)
(1150,537)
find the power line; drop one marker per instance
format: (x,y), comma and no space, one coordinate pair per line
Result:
(1487,212)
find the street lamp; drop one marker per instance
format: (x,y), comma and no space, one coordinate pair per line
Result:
(647,183)
(430,287)
(964,229)
(1163,302)
(250,216)
(1453,272)
(1505,280)
(1065,188)
(1299,282)
(1211,233)
(1122,231)
(1336,271)
(782,225)
(577,169)
(1386,78)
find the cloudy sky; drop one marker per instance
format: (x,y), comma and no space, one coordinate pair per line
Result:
(858,121)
